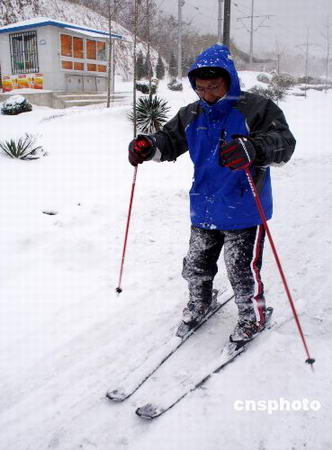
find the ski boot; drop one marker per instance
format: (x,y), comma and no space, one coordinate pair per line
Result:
(245,331)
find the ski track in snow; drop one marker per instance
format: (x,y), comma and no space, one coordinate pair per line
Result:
(65,337)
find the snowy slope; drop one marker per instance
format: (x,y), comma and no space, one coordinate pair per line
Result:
(65,337)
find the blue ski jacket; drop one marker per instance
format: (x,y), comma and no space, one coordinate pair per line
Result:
(219,197)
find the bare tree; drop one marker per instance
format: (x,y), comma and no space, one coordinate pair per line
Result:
(136,17)
(112,15)
(148,56)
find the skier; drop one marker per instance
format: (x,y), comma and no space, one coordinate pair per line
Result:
(225,131)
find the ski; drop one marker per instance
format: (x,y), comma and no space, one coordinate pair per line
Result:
(139,376)
(230,351)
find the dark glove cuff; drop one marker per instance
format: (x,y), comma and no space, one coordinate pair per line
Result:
(260,159)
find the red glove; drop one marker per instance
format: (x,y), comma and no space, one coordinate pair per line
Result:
(141,149)
(237,154)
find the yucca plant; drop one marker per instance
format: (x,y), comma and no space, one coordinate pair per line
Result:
(24,148)
(151,113)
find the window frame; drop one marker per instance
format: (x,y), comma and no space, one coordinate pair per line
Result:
(28,53)
(85,61)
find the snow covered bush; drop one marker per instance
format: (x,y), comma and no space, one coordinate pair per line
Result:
(283,80)
(276,86)
(272,92)
(175,85)
(314,81)
(143,86)
(263,78)
(308,80)
(15,104)
(24,148)
(151,114)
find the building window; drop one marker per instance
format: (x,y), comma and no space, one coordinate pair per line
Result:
(66,45)
(78,48)
(90,49)
(92,67)
(23,52)
(101,51)
(67,65)
(78,66)
(82,54)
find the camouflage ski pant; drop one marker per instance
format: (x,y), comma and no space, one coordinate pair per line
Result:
(243,250)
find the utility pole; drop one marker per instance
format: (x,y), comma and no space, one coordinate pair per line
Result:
(180,4)
(327,57)
(327,37)
(306,62)
(220,2)
(251,29)
(251,53)
(227,23)
(279,52)
(307,46)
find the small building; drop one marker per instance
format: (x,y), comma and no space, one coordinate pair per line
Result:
(43,53)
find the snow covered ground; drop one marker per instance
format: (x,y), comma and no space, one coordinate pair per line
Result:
(65,337)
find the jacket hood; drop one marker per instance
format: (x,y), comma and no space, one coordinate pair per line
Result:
(218,56)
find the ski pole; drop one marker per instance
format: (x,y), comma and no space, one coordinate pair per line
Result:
(119,288)
(309,360)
